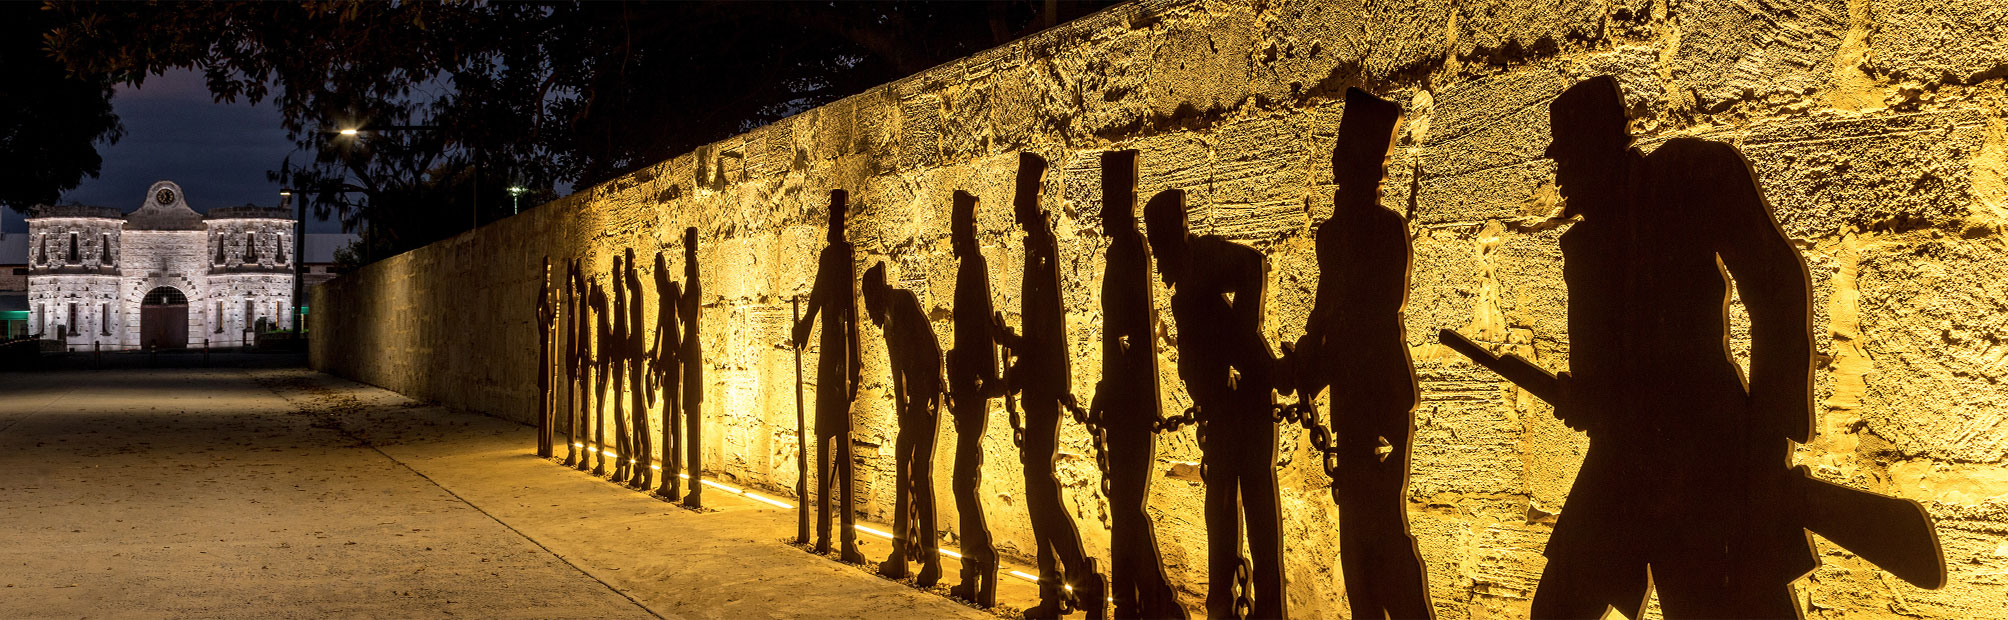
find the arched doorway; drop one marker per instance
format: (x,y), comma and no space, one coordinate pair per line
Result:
(163,319)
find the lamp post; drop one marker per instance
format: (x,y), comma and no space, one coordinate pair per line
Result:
(515,198)
(299,259)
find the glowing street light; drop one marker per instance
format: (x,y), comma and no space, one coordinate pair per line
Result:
(515,194)
(349,132)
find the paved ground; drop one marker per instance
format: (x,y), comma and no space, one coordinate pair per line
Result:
(270,492)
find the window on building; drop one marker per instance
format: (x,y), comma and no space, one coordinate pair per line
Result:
(250,314)
(250,247)
(279,241)
(73,249)
(218,241)
(104,319)
(105,250)
(41,318)
(218,317)
(73,318)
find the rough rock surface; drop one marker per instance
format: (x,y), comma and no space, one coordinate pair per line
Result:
(1875,127)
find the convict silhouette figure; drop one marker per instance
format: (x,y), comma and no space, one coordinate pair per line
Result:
(916,391)
(1354,344)
(835,296)
(1216,300)
(1687,487)
(640,474)
(1043,374)
(547,316)
(972,381)
(1127,400)
(602,340)
(616,356)
(688,307)
(577,368)
(665,355)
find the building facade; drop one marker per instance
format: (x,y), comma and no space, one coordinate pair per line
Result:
(162,276)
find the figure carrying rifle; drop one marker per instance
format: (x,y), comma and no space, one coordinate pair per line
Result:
(616,355)
(1043,374)
(835,297)
(1687,487)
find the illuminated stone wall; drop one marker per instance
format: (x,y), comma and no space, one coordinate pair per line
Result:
(1876,127)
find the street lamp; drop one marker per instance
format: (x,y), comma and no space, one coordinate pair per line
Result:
(515,193)
(299,261)
(349,132)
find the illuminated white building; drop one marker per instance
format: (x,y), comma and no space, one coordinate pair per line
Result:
(162,276)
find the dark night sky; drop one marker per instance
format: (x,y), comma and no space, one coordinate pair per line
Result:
(174,131)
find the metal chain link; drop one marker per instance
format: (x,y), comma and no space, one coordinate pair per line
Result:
(1305,415)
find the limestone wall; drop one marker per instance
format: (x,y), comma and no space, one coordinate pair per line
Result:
(1876,127)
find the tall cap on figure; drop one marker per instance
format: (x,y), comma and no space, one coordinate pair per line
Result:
(1366,134)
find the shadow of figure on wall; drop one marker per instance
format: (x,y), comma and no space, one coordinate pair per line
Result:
(1043,374)
(834,296)
(689,305)
(1687,488)
(641,474)
(602,341)
(616,356)
(972,382)
(916,393)
(1354,343)
(1127,400)
(666,373)
(577,372)
(547,315)
(1217,302)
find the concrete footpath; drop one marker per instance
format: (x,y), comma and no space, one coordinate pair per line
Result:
(287,493)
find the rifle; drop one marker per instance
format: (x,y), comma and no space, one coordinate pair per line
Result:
(801,437)
(1894,534)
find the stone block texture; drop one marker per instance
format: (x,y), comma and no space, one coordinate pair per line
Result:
(1875,128)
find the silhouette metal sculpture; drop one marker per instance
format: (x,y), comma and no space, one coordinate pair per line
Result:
(664,370)
(1687,487)
(1217,298)
(547,315)
(688,307)
(1042,374)
(1127,402)
(834,295)
(640,474)
(972,382)
(602,339)
(1354,344)
(616,355)
(577,374)
(916,388)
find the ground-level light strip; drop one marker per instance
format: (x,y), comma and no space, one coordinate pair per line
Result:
(787,506)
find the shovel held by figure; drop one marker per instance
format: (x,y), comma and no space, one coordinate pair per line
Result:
(1894,534)
(801,437)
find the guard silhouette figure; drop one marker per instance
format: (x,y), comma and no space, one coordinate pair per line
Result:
(1217,298)
(666,373)
(1687,486)
(834,295)
(1042,374)
(972,381)
(916,390)
(1354,343)
(1127,400)
(692,358)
